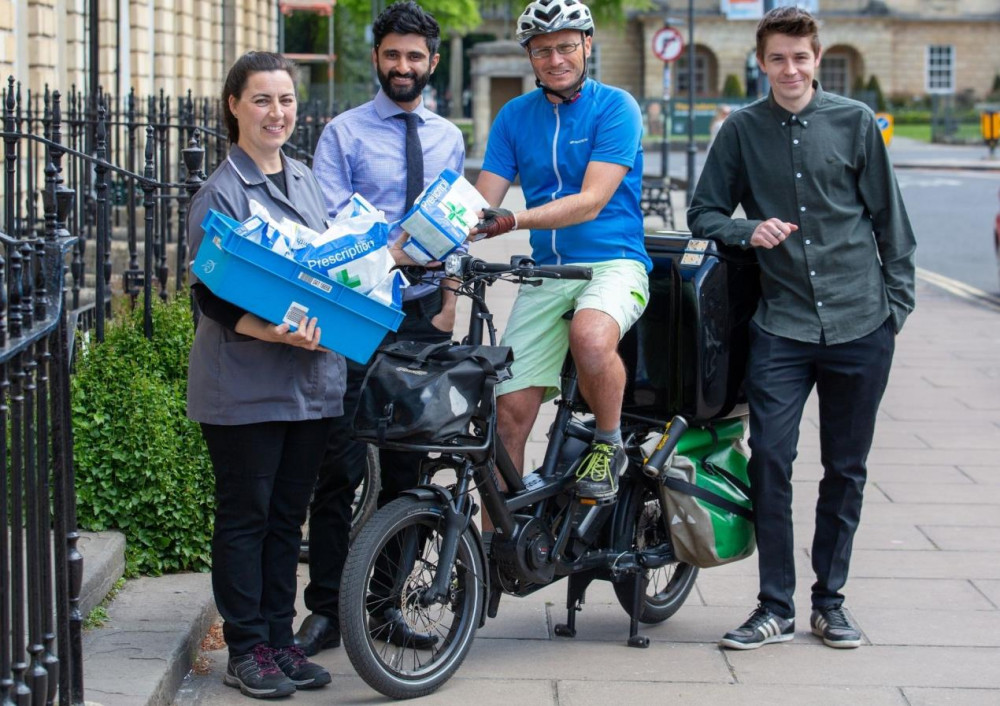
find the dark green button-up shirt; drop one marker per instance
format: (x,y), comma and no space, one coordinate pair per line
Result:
(850,264)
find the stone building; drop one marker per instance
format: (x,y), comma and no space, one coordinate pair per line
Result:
(148,45)
(913,47)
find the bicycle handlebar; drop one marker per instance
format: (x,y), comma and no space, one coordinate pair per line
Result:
(466,266)
(656,461)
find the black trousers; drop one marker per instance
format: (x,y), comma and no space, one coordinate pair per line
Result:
(264,474)
(343,468)
(849,379)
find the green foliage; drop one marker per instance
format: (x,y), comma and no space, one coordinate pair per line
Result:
(96,618)
(731,87)
(994,93)
(141,465)
(874,87)
(99,615)
(453,15)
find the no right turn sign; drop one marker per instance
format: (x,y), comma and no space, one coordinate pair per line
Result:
(668,43)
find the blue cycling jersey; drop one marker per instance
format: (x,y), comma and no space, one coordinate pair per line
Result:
(550,145)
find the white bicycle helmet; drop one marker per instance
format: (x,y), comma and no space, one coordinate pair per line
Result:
(547,16)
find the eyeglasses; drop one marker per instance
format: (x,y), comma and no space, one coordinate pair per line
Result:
(546,52)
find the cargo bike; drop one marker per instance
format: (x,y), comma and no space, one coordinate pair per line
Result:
(419,582)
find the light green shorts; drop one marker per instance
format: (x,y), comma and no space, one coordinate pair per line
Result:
(538,333)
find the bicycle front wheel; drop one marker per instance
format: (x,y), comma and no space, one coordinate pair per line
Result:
(391,565)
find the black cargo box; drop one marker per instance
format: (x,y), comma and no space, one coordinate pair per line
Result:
(687,353)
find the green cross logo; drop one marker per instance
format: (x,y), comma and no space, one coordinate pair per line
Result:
(344,278)
(456,212)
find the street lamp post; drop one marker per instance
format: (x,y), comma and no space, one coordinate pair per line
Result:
(95,51)
(691,149)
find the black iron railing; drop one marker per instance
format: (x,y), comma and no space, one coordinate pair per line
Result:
(40,567)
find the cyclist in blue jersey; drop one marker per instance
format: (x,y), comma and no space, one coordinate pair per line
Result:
(580,166)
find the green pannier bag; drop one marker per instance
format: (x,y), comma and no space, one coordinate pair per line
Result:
(708,508)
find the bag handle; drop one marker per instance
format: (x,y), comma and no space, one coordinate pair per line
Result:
(427,352)
(683,486)
(431,350)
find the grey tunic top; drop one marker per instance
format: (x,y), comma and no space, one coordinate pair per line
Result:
(236,379)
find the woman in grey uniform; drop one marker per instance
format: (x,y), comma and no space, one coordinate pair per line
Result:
(264,394)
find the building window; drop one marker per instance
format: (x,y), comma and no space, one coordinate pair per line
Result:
(940,65)
(701,73)
(594,62)
(834,74)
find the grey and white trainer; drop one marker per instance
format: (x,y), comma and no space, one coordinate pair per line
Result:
(761,628)
(836,629)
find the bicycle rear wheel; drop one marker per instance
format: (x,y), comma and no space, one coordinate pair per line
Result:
(392,563)
(366,495)
(666,588)
(365,500)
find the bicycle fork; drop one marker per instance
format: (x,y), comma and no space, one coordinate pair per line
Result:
(457,510)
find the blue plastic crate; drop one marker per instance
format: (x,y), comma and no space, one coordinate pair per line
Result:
(281,290)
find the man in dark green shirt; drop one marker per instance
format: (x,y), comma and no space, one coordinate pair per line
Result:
(835,247)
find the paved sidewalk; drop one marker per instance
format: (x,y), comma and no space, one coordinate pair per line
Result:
(924,588)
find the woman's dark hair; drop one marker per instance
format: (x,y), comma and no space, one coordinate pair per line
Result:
(236,80)
(407,17)
(790,20)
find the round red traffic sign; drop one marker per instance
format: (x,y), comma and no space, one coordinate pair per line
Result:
(668,43)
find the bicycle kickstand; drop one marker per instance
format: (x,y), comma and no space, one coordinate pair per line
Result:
(576,590)
(634,638)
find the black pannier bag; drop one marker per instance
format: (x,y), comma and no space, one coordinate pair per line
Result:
(420,393)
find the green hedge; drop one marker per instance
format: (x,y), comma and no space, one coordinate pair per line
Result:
(141,465)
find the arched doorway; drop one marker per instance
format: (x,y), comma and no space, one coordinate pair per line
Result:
(840,69)
(706,73)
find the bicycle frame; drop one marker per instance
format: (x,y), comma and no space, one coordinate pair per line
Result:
(478,458)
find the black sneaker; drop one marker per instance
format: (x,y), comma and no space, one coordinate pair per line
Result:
(833,625)
(761,628)
(257,676)
(304,674)
(597,474)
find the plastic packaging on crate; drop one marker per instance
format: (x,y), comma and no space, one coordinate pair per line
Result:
(280,290)
(440,219)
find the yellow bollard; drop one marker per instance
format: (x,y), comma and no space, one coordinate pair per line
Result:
(885,123)
(989,124)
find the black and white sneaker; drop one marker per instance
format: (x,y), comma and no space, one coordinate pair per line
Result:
(833,625)
(761,628)
(256,675)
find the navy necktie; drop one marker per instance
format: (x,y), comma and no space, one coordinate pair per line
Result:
(414,159)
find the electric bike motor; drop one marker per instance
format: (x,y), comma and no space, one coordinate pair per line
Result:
(526,555)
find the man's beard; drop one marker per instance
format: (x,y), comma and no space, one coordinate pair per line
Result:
(400,94)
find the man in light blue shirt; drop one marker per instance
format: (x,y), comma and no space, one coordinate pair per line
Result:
(364,150)
(576,146)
